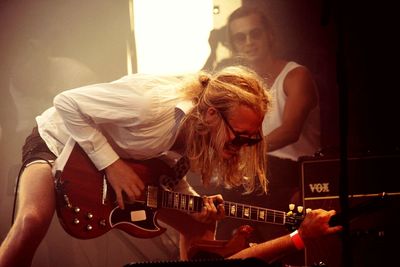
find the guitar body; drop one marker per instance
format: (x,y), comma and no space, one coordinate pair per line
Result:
(86,203)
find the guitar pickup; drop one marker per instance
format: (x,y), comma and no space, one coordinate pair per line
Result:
(152,196)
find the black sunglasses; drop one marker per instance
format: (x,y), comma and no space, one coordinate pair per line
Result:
(240,139)
(241,37)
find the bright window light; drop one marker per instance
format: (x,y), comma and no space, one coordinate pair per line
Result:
(172,35)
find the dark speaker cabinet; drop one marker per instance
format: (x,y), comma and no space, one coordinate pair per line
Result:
(373,184)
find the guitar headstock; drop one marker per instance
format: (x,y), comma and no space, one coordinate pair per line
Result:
(294,217)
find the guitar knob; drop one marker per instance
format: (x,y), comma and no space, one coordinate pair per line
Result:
(89,215)
(102,222)
(76,221)
(300,209)
(89,227)
(67,202)
(77,209)
(291,206)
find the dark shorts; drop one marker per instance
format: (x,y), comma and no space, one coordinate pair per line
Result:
(35,148)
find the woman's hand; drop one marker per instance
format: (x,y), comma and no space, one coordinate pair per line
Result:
(212,211)
(124,182)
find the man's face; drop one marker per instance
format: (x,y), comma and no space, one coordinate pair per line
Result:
(249,37)
(243,127)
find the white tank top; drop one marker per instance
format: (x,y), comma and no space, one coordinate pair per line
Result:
(309,140)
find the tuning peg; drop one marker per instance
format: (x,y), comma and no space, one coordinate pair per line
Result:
(300,209)
(291,206)
(308,210)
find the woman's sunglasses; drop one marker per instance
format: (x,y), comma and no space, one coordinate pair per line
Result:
(240,38)
(241,140)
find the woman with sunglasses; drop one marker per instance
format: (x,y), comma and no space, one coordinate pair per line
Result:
(141,116)
(213,120)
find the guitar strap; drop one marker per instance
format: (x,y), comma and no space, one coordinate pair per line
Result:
(62,159)
(180,166)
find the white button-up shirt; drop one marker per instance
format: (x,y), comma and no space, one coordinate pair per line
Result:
(136,117)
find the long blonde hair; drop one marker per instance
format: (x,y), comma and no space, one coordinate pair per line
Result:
(225,90)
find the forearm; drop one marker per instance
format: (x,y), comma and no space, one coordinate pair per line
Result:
(314,225)
(279,138)
(268,251)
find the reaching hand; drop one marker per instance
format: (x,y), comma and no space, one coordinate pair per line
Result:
(124,181)
(211,213)
(316,224)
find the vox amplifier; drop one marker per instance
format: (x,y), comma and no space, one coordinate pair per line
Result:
(373,184)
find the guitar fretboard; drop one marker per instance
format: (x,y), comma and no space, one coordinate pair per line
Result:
(190,203)
(180,201)
(254,213)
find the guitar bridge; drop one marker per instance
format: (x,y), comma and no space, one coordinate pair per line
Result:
(152,196)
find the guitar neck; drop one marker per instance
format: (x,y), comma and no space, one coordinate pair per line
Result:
(190,203)
(253,213)
(179,201)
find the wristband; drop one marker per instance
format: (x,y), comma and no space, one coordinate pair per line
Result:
(297,241)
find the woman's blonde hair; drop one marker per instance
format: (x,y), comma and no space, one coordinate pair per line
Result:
(225,90)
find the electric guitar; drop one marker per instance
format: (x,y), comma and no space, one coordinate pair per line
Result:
(86,203)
